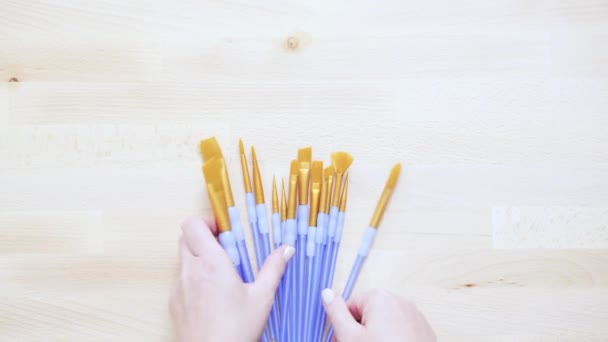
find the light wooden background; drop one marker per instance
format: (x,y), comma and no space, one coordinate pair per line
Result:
(497,109)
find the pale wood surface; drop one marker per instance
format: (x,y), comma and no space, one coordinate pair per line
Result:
(496,108)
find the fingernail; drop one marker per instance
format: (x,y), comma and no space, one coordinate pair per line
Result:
(328,296)
(288,253)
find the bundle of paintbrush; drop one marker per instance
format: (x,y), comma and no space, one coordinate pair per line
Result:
(310,218)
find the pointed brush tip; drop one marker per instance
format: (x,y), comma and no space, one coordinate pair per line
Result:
(241,147)
(394,175)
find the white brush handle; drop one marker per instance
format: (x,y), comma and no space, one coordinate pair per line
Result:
(228,242)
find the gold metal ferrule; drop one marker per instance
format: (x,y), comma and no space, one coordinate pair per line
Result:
(344,195)
(275,196)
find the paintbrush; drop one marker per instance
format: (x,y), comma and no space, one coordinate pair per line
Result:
(335,243)
(260,207)
(341,161)
(321,249)
(277,240)
(370,235)
(288,318)
(261,211)
(304,159)
(315,196)
(210,150)
(250,202)
(283,210)
(212,175)
(283,218)
(276,216)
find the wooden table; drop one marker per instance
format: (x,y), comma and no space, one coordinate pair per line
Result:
(497,110)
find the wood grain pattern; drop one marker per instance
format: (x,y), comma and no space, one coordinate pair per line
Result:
(51,232)
(496,109)
(552,227)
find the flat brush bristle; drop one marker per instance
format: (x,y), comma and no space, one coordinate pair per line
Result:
(341,161)
(295,166)
(212,170)
(317,172)
(210,149)
(328,172)
(305,155)
(394,176)
(218,205)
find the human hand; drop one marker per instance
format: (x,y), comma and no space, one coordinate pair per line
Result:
(210,301)
(376,316)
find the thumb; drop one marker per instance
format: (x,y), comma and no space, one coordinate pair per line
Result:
(345,326)
(270,274)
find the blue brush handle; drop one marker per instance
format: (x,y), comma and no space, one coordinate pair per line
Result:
(301,268)
(276,230)
(285,317)
(287,304)
(320,241)
(348,289)
(364,248)
(335,227)
(335,248)
(253,222)
(284,279)
(247,272)
(237,229)
(329,262)
(264,230)
(310,263)
(308,313)
(318,307)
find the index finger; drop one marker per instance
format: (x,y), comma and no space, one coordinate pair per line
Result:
(199,237)
(371,305)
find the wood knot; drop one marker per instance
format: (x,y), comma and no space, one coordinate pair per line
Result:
(13,79)
(293,43)
(469,285)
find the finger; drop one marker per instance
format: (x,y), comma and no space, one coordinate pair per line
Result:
(199,239)
(270,274)
(345,326)
(212,225)
(355,305)
(184,251)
